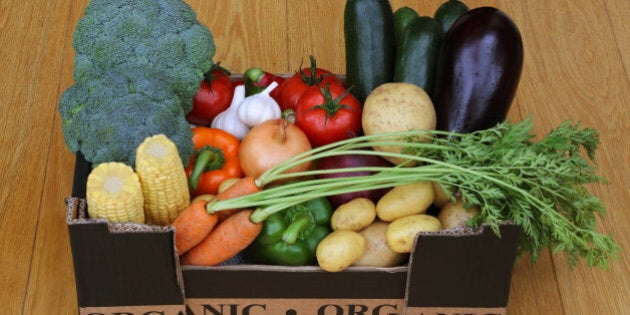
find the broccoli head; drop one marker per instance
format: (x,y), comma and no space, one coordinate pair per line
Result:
(108,117)
(161,34)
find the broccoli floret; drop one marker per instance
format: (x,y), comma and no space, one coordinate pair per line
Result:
(108,117)
(161,34)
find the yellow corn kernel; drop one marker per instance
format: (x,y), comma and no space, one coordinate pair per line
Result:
(113,192)
(163,180)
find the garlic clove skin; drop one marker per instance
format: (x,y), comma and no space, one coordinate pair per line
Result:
(258,108)
(228,119)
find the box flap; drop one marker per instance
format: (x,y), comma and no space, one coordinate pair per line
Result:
(122,264)
(469,269)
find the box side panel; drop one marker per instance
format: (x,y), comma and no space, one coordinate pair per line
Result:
(120,268)
(463,271)
(222,283)
(115,269)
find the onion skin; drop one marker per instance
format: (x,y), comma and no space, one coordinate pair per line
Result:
(270,143)
(352,160)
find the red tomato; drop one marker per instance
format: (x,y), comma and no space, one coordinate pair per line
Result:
(214,96)
(328,114)
(290,91)
(267,79)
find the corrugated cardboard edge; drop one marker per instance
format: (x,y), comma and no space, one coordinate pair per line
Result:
(76,214)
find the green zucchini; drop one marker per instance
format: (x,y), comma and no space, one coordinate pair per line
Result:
(370,45)
(448,12)
(417,53)
(402,17)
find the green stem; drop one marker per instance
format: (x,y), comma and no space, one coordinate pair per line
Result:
(292,232)
(207,158)
(350,146)
(273,203)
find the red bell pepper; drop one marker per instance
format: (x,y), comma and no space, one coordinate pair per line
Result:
(257,79)
(215,159)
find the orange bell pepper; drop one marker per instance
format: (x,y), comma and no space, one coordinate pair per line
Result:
(215,159)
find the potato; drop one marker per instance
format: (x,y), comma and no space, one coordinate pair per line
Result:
(453,214)
(377,252)
(354,215)
(441,199)
(405,200)
(402,232)
(339,249)
(397,106)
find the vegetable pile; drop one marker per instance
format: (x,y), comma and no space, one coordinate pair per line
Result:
(312,169)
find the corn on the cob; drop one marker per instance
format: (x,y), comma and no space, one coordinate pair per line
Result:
(163,180)
(113,192)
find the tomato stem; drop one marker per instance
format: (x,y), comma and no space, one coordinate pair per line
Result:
(211,75)
(331,105)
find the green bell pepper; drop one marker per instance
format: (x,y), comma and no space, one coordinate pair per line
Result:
(290,237)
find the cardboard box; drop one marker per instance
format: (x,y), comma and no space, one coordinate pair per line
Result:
(131,268)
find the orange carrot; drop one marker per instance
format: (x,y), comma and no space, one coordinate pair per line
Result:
(245,186)
(193,225)
(227,239)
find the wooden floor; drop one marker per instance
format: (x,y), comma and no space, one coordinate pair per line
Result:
(577,66)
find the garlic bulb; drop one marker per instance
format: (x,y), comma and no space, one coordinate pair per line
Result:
(259,108)
(228,119)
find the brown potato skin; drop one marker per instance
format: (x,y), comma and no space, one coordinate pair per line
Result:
(354,215)
(397,106)
(402,232)
(453,214)
(339,249)
(405,200)
(377,252)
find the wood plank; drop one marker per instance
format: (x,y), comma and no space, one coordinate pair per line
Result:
(618,12)
(573,64)
(534,287)
(315,28)
(247,33)
(51,283)
(591,290)
(573,70)
(29,82)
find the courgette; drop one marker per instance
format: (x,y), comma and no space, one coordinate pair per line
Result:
(417,53)
(370,45)
(402,17)
(448,12)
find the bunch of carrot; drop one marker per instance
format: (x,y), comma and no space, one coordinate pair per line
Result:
(209,233)
(208,239)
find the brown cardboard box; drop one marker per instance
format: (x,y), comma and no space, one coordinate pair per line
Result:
(129,268)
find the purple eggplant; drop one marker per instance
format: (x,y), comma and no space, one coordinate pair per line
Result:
(478,71)
(347,161)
